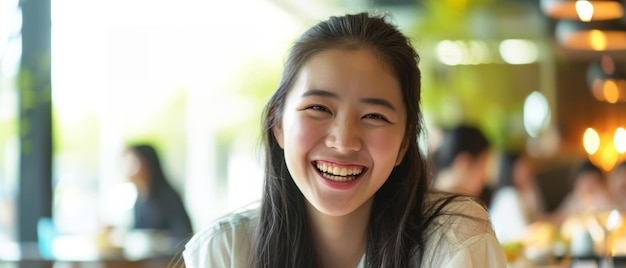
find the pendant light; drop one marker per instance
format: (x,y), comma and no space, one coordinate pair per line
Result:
(593,36)
(584,10)
(607,80)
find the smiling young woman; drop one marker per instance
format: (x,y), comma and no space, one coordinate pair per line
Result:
(345,183)
(335,117)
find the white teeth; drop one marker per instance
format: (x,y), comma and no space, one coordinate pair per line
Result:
(339,173)
(338,178)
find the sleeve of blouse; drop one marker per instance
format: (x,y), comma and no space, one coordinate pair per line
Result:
(209,248)
(484,252)
(225,244)
(465,238)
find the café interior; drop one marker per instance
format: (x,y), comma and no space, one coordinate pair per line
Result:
(81,80)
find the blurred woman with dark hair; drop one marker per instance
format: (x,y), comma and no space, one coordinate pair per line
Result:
(158,205)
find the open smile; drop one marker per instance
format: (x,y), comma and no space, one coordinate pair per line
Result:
(338,173)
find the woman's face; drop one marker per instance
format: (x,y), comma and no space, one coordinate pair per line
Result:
(522,173)
(342,129)
(588,183)
(477,174)
(134,169)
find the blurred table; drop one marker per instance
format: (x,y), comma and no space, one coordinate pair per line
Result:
(579,262)
(618,262)
(28,254)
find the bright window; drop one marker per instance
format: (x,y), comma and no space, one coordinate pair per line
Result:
(10,51)
(189,76)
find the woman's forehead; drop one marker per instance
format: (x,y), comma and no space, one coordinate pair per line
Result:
(336,65)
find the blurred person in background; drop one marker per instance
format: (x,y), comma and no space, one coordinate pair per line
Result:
(517,200)
(589,194)
(617,185)
(461,163)
(158,206)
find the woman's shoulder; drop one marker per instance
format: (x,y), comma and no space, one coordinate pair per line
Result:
(460,219)
(457,205)
(461,232)
(230,224)
(223,243)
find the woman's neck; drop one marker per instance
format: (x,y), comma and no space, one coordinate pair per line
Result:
(340,240)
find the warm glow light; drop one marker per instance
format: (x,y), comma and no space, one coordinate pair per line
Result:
(588,36)
(619,140)
(591,141)
(611,92)
(518,51)
(608,156)
(450,53)
(459,52)
(597,40)
(607,65)
(536,113)
(584,10)
(606,81)
(598,89)
(621,85)
(479,52)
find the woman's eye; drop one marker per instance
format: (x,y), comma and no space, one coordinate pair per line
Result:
(375,117)
(318,108)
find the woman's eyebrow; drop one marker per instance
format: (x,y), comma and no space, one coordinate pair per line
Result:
(328,94)
(319,93)
(378,101)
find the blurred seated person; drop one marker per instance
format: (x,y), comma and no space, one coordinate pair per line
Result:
(589,194)
(461,163)
(158,205)
(617,185)
(517,201)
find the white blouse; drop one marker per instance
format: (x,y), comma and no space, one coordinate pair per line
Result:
(457,241)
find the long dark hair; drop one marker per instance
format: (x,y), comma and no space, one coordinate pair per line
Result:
(149,155)
(399,217)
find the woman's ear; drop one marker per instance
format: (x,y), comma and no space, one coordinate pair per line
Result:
(277,130)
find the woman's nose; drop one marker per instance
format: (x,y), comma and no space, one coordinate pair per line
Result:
(344,136)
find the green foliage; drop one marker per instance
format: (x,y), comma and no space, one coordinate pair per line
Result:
(162,125)
(261,80)
(487,95)
(34,94)
(483,95)
(448,18)
(76,136)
